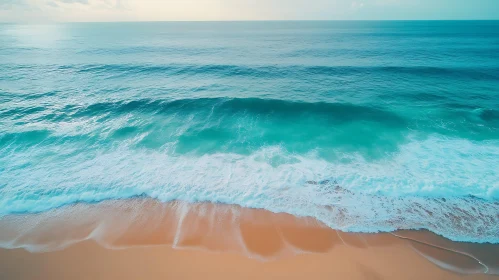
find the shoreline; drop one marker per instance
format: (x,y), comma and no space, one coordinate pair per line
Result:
(140,229)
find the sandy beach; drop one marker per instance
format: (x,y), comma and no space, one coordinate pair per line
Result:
(146,239)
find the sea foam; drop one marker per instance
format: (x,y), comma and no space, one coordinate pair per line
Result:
(411,190)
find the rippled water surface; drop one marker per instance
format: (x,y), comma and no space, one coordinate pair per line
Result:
(366,126)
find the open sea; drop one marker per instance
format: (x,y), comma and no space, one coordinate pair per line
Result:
(367,126)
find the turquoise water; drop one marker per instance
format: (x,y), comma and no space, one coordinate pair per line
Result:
(366,126)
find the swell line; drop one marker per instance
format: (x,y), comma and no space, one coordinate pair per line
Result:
(345,111)
(259,71)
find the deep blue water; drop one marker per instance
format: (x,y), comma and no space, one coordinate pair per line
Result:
(367,126)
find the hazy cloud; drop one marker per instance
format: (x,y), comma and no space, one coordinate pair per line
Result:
(12,3)
(52,4)
(74,1)
(357,5)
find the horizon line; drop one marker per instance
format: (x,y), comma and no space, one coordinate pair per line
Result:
(243,20)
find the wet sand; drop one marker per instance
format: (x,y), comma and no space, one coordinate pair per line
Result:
(144,239)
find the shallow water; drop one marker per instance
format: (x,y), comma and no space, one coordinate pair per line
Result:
(366,126)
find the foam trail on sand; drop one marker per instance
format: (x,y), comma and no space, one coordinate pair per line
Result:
(257,234)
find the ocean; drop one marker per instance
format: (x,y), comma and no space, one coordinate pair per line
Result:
(367,126)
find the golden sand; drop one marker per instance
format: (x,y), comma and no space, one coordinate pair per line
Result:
(145,239)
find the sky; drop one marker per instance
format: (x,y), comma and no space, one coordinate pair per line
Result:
(186,10)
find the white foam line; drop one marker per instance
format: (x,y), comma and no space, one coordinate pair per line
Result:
(183,213)
(337,233)
(443,248)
